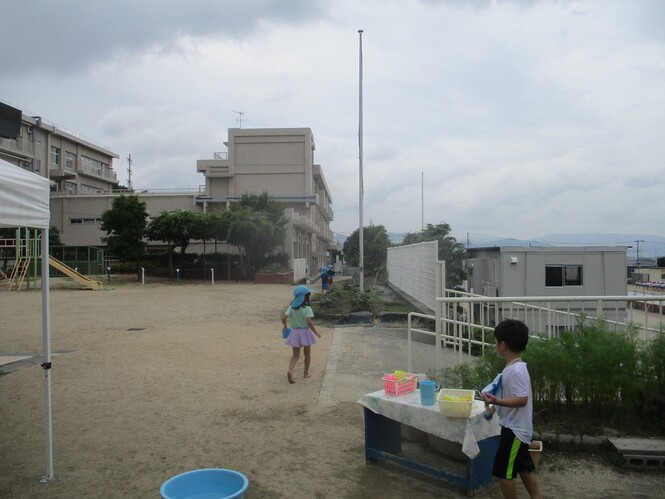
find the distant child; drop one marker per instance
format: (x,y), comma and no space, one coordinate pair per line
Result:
(324,279)
(331,274)
(513,403)
(302,329)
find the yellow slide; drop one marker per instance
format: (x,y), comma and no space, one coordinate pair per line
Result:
(70,272)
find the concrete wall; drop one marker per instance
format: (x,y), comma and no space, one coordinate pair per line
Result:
(66,211)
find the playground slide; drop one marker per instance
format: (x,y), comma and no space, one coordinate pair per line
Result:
(70,272)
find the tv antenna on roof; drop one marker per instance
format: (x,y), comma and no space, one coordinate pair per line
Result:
(239,118)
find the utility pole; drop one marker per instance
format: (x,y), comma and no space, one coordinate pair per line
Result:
(129,173)
(638,241)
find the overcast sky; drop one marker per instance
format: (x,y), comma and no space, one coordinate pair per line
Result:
(524,117)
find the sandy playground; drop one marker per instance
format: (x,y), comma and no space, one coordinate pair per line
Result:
(150,381)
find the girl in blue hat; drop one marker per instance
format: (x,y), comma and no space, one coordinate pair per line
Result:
(302,329)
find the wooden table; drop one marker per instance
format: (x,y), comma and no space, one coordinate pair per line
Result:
(385,414)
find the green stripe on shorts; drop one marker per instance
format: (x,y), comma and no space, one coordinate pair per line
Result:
(513,454)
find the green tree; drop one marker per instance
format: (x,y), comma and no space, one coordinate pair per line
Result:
(177,228)
(54,237)
(450,250)
(256,226)
(125,225)
(209,226)
(375,248)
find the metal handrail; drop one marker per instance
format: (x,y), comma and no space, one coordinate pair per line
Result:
(463,328)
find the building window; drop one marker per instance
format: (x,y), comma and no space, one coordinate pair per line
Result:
(563,275)
(70,160)
(95,167)
(84,221)
(70,186)
(91,189)
(55,155)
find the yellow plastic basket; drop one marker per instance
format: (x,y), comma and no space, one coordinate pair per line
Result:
(455,403)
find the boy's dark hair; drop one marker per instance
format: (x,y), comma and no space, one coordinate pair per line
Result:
(514,333)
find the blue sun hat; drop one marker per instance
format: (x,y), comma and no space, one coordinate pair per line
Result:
(300,292)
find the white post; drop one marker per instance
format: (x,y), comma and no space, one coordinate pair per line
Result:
(46,365)
(439,316)
(143,275)
(212,273)
(360,165)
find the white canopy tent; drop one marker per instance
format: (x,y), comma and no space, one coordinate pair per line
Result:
(24,202)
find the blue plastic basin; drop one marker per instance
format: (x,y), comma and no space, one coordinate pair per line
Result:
(205,484)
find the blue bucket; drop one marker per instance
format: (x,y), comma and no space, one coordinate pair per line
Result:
(205,483)
(427,392)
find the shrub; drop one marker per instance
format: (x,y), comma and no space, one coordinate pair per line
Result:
(585,380)
(343,299)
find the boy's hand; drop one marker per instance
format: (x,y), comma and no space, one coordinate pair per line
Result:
(488,398)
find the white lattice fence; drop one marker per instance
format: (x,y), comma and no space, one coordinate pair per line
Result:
(412,269)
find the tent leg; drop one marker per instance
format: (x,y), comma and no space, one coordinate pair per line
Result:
(46,365)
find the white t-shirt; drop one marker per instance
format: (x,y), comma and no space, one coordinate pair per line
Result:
(516,382)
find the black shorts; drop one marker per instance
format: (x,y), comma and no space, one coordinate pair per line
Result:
(512,456)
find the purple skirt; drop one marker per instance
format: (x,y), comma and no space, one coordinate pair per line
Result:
(300,338)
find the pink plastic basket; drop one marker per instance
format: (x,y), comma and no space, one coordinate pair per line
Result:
(392,387)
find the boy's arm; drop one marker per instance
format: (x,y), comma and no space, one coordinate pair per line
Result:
(507,402)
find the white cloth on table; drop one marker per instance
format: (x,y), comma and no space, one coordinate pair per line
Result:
(407,409)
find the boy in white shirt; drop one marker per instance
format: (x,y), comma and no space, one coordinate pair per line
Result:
(513,403)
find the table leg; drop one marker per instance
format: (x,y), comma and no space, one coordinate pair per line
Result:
(479,470)
(381,433)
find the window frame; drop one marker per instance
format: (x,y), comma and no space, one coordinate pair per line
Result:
(55,156)
(567,278)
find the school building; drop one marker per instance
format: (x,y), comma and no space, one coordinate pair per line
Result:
(279,161)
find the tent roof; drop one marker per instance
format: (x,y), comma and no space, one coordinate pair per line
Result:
(24,198)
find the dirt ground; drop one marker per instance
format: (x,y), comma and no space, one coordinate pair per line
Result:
(151,381)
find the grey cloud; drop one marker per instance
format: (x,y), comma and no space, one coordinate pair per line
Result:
(650,20)
(478,4)
(69,35)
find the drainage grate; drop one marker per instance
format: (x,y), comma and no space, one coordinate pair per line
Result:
(135,329)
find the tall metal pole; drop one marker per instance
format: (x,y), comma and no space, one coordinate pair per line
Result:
(360,167)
